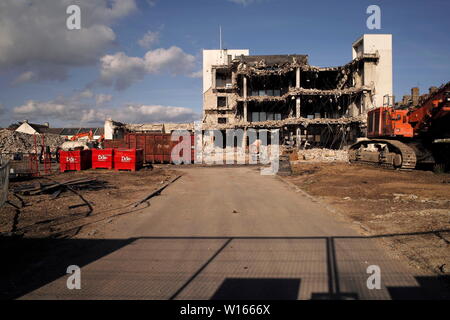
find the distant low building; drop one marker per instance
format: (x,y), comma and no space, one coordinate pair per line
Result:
(116,130)
(415,98)
(33,128)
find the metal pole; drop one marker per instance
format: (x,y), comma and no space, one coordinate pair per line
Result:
(4,181)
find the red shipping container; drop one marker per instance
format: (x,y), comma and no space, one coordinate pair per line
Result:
(157,147)
(74,160)
(128,159)
(145,141)
(114,144)
(102,158)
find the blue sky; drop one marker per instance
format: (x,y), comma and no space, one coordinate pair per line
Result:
(47,75)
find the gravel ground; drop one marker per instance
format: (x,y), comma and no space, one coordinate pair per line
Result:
(42,216)
(388,202)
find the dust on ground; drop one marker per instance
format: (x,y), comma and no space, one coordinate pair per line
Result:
(114,193)
(388,202)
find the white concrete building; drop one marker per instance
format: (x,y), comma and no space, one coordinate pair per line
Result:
(218,82)
(379,75)
(308,103)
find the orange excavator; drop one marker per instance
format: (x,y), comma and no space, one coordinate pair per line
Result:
(89,135)
(79,136)
(406,138)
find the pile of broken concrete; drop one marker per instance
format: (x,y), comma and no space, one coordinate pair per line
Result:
(323,155)
(18,142)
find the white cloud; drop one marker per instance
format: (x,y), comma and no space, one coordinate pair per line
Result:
(122,70)
(35,41)
(243,2)
(174,60)
(51,109)
(101,99)
(74,111)
(149,39)
(154,113)
(25,77)
(197,74)
(86,94)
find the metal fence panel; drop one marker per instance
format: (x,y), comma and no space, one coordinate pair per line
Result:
(4,180)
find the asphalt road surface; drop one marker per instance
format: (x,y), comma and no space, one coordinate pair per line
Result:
(230,233)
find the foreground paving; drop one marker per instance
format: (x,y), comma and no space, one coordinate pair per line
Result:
(230,233)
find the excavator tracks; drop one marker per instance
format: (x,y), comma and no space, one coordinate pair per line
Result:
(399,155)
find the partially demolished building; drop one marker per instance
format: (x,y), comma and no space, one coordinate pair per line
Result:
(315,106)
(117,130)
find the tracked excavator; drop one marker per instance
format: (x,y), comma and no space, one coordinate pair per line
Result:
(408,138)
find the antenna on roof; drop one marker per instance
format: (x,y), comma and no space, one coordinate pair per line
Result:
(220,36)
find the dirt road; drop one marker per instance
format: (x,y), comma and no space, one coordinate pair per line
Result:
(225,233)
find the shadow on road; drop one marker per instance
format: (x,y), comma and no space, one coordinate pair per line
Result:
(29,264)
(258,289)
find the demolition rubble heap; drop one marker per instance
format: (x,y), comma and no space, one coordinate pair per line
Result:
(18,142)
(323,155)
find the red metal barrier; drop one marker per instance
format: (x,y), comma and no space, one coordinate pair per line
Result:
(128,159)
(75,160)
(102,158)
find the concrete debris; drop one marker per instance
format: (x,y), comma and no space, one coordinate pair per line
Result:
(293,92)
(113,129)
(72,145)
(169,127)
(149,127)
(159,127)
(323,155)
(404,197)
(18,142)
(261,68)
(273,124)
(284,166)
(269,64)
(335,92)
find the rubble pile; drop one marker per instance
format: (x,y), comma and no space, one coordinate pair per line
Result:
(323,155)
(18,142)
(274,124)
(309,92)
